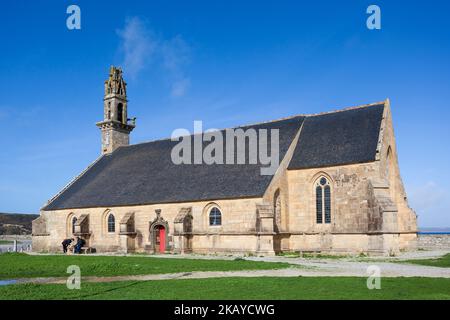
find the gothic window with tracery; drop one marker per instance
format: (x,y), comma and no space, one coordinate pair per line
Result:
(323,200)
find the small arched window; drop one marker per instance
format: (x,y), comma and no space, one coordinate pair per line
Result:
(120,112)
(215,217)
(111,223)
(74,221)
(323,201)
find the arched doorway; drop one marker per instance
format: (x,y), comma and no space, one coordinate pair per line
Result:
(159,240)
(159,234)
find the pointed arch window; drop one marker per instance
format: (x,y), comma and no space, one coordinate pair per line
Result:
(111,223)
(74,222)
(323,200)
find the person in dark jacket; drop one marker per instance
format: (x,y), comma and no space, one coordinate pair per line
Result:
(79,245)
(65,244)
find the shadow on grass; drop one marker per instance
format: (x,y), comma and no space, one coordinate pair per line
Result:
(87,296)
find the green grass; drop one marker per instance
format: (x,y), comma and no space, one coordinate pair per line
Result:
(9,242)
(17,265)
(443,262)
(240,289)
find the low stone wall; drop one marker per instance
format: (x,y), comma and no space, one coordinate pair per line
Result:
(433,241)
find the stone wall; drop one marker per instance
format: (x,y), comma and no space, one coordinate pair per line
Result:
(236,234)
(433,241)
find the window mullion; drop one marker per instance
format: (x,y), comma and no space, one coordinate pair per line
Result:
(323,204)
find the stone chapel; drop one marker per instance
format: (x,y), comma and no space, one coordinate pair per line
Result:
(337,190)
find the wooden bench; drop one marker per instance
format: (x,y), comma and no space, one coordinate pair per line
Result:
(87,250)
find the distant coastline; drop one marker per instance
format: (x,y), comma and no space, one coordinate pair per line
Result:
(433,230)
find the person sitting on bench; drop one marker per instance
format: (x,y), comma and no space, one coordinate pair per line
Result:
(79,245)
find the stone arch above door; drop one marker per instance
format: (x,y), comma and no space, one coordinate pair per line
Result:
(159,222)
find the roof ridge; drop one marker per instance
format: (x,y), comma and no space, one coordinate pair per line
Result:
(241,126)
(274,120)
(362,106)
(269,121)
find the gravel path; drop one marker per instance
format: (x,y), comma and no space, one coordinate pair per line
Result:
(331,267)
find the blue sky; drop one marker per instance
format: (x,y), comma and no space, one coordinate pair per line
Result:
(224,62)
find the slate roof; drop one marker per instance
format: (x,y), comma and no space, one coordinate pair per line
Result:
(338,138)
(144,173)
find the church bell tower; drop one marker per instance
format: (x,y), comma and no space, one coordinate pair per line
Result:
(115,126)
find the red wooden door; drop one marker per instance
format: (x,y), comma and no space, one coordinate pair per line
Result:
(162,239)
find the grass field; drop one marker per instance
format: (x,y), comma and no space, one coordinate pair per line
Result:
(17,265)
(240,289)
(443,262)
